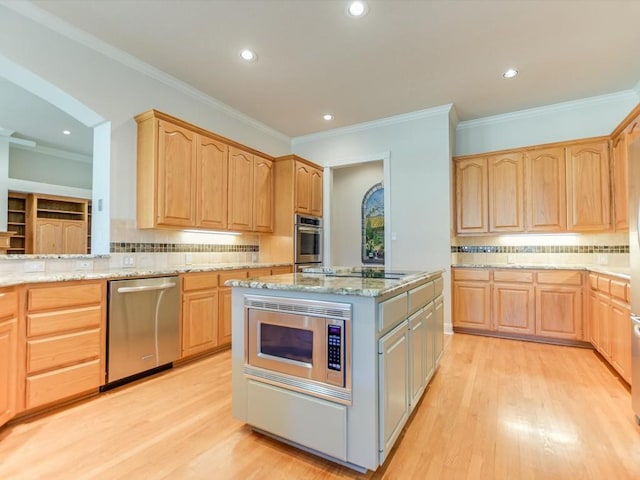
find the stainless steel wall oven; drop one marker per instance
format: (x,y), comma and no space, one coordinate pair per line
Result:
(301,345)
(308,238)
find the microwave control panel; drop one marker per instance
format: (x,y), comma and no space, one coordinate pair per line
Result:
(334,347)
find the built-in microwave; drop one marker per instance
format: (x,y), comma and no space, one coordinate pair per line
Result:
(308,239)
(301,345)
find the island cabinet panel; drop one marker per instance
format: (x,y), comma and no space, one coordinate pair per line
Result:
(394,386)
(392,311)
(506,192)
(8,353)
(588,189)
(471,188)
(418,351)
(65,341)
(546,190)
(212,175)
(200,312)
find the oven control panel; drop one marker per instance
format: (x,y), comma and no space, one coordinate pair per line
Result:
(334,347)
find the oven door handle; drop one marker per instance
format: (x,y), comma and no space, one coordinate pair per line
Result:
(309,229)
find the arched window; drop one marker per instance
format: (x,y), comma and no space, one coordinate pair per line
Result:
(373,225)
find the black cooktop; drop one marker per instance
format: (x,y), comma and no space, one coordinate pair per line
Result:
(372,272)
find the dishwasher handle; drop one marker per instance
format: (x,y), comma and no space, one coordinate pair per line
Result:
(146,288)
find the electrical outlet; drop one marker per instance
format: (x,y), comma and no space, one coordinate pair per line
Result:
(188,258)
(83,265)
(128,261)
(34,266)
(603,259)
(511,258)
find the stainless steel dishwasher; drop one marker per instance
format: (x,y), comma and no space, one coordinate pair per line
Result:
(143,326)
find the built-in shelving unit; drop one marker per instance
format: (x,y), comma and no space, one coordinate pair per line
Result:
(16,221)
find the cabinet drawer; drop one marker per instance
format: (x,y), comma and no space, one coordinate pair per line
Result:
(8,303)
(65,296)
(517,276)
(392,311)
(232,275)
(47,353)
(58,384)
(420,296)
(471,274)
(560,277)
(603,284)
(63,320)
(259,272)
(438,286)
(593,281)
(280,270)
(199,281)
(618,289)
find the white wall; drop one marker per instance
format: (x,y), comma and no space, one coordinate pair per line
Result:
(117,93)
(349,186)
(589,117)
(419,187)
(54,167)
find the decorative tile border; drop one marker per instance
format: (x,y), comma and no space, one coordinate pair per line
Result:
(540,249)
(121,247)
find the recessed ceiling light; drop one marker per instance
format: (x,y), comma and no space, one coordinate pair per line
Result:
(357,9)
(66,132)
(512,72)
(248,55)
(327,116)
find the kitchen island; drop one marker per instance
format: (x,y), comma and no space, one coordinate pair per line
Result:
(366,345)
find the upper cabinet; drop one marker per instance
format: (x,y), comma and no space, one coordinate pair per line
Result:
(556,188)
(191,178)
(308,189)
(620,174)
(588,191)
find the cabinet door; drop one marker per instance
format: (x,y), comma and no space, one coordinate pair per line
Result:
(240,190)
(199,321)
(514,308)
(620,324)
(48,236)
(211,205)
(620,183)
(176,175)
(546,190)
(316,193)
(74,237)
(393,356)
(8,368)
(506,193)
(303,188)
(417,356)
(471,195)
(438,311)
(224,305)
(588,187)
(559,312)
(471,305)
(594,320)
(432,355)
(262,194)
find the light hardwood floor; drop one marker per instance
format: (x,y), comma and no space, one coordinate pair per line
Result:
(496,409)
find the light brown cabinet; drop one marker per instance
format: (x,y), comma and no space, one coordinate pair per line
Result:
(471,299)
(224,308)
(199,312)
(308,189)
(188,177)
(513,302)
(8,353)
(546,191)
(588,190)
(65,341)
(506,192)
(609,314)
(559,304)
(471,187)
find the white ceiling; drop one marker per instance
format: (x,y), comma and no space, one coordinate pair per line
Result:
(403,56)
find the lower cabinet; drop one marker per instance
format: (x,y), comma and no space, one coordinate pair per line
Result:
(199,312)
(65,341)
(544,303)
(224,308)
(8,353)
(418,350)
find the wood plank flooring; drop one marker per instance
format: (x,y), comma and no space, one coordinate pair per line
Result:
(496,409)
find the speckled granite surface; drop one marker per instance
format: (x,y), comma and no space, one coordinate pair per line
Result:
(621,272)
(321,283)
(39,277)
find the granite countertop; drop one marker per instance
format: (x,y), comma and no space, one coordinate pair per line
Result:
(112,274)
(323,283)
(621,272)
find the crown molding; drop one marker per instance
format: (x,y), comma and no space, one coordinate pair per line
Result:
(50,21)
(359,127)
(554,108)
(52,152)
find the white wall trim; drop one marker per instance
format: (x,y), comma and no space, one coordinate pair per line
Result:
(548,109)
(55,152)
(54,23)
(358,127)
(385,157)
(636,89)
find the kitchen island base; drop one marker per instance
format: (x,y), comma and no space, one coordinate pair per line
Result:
(394,340)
